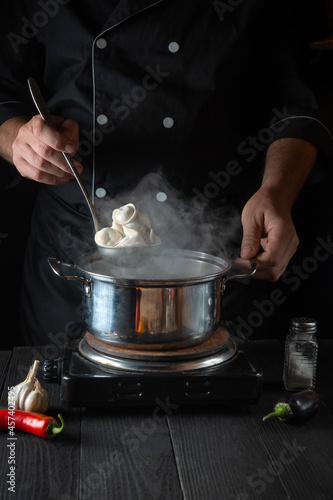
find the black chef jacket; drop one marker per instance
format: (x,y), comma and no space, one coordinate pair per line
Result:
(193,89)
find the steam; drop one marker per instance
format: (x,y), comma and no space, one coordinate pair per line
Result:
(177,220)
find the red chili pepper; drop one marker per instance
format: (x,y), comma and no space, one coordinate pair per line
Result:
(35,423)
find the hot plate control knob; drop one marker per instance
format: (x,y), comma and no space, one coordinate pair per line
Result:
(51,371)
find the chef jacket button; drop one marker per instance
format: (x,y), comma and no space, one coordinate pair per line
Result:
(173,47)
(100,192)
(168,122)
(101,43)
(102,119)
(162,197)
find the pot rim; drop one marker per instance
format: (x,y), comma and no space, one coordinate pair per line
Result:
(224,265)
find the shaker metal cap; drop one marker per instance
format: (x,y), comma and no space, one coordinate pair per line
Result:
(303,324)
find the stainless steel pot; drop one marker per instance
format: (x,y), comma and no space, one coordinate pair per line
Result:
(135,309)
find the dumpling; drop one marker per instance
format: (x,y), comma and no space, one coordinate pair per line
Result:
(108,237)
(133,228)
(132,241)
(124,214)
(129,228)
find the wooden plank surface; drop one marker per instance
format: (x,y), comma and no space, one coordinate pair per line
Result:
(302,455)
(231,453)
(45,469)
(308,447)
(127,454)
(192,453)
(217,451)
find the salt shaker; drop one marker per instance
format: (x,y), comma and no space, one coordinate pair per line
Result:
(301,351)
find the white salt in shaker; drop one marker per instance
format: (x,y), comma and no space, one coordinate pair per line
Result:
(301,352)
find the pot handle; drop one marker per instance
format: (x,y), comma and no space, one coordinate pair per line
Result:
(58,266)
(253,270)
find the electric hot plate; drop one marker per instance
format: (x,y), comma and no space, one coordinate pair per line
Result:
(94,374)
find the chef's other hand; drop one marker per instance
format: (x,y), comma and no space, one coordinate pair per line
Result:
(37,150)
(267,223)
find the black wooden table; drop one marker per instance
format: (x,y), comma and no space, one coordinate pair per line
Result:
(175,453)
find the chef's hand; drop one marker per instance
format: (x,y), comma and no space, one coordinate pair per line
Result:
(37,150)
(267,223)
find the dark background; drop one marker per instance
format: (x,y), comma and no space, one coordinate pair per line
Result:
(313,212)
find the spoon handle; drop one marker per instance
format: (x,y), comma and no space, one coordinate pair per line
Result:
(47,117)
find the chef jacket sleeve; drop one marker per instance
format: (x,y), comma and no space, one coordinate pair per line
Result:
(21,56)
(298,113)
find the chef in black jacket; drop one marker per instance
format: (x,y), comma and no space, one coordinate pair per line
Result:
(199,92)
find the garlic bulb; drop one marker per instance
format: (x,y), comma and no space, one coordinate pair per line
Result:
(37,400)
(30,395)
